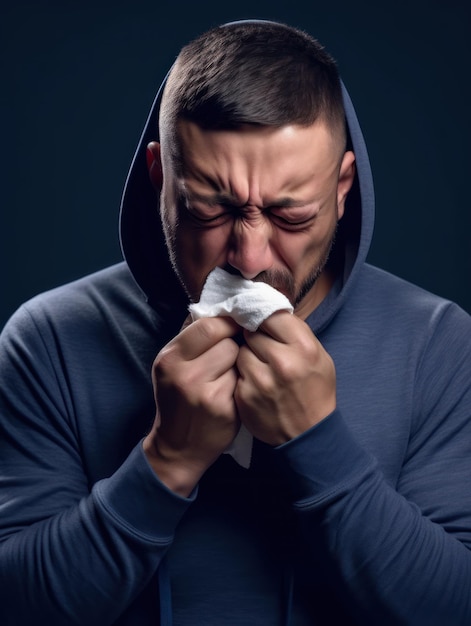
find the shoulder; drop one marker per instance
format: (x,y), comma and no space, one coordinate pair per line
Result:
(397,300)
(400,321)
(111,285)
(85,303)
(106,310)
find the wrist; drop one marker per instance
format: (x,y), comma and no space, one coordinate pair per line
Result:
(173,471)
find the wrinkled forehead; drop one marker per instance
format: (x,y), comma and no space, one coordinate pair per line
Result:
(256,164)
(189,143)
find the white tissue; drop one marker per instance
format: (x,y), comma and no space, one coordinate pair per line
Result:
(249,304)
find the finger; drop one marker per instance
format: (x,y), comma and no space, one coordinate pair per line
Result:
(217,361)
(248,360)
(279,335)
(281,326)
(280,329)
(201,335)
(260,345)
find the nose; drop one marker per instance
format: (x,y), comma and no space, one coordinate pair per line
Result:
(250,249)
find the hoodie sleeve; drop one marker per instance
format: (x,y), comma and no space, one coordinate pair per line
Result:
(397,554)
(54,528)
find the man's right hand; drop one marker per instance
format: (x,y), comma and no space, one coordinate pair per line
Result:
(194,378)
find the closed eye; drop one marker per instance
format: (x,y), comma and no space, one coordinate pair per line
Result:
(211,215)
(293,219)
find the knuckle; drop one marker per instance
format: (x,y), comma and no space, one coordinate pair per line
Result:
(245,393)
(311,347)
(285,365)
(165,361)
(214,402)
(208,328)
(172,371)
(287,370)
(264,383)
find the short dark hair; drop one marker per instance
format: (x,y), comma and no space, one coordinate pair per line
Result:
(255,72)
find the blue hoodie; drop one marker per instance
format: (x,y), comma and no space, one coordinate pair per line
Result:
(364,519)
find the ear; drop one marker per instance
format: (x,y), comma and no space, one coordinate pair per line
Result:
(154,165)
(345,181)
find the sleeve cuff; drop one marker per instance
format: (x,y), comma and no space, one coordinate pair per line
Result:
(136,498)
(323,462)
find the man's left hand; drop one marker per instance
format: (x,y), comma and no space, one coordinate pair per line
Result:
(287,380)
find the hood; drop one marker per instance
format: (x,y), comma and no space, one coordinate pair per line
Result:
(143,242)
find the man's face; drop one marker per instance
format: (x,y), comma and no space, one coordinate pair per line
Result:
(261,202)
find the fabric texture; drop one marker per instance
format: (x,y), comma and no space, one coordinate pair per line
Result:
(363,519)
(249,303)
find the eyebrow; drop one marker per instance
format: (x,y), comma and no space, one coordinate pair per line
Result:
(231,200)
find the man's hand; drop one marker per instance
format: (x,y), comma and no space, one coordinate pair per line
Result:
(194,379)
(287,380)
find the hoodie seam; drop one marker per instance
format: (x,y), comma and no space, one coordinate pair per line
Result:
(344,486)
(122,523)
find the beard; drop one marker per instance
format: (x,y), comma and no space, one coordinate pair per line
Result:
(283,281)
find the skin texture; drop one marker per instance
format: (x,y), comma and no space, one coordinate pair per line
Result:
(263,202)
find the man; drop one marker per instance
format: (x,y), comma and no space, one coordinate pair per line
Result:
(119,502)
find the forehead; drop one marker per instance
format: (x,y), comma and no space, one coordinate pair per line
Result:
(261,159)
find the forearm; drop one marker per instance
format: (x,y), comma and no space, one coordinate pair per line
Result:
(392,564)
(87,564)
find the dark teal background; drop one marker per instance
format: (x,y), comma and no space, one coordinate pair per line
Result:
(77,79)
